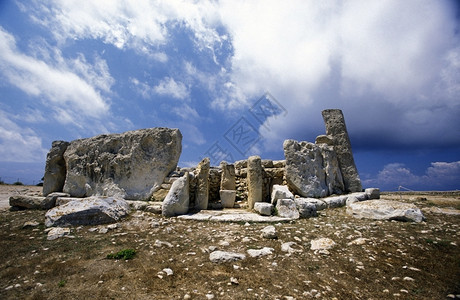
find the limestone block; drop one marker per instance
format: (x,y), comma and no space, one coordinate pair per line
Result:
(178,198)
(202,186)
(305,175)
(267,163)
(335,127)
(254,180)
(88,211)
(386,210)
(306,209)
(319,204)
(286,208)
(131,165)
(227,198)
(55,169)
(263,208)
(280,192)
(227,181)
(279,163)
(335,201)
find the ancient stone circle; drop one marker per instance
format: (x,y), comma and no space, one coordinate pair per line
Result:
(96,180)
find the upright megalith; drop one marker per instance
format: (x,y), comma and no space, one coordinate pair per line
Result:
(335,127)
(131,165)
(227,181)
(55,169)
(254,180)
(304,171)
(178,198)
(202,184)
(334,179)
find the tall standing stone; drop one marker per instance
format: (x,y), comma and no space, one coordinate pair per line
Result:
(254,180)
(202,185)
(335,127)
(227,181)
(334,179)
(55,170)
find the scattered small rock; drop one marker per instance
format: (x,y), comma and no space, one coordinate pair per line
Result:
(57,232)
(222,256)
(269,232)
(322,244)
(260,252)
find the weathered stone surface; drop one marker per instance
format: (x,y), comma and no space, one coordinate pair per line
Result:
(335,127)
(286,208)
(304,169)
(269,232)
(263,208)
(254,180)
(386,210)
(324,139)
(227,198)
(227,181)
(280,192)
(32,202)
(55,169)
(334,180)
(131,165)
(223,257)
(178,198)
(231,215)
(306,209)
(87,211)
(202,185)
(372,193)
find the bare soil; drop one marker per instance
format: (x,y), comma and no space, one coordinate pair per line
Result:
(398,260)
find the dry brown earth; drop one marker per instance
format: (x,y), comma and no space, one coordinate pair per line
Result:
(371,259)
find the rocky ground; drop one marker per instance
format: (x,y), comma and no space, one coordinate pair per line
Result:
(366,260)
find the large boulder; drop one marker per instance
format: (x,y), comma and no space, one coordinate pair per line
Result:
(178,198)
(385,210)
(131,165)
(335,127)
(305,174)
(202,185)
(87,211)
(55,169)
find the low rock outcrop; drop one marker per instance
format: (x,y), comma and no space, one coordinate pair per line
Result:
(386,210)
(31,202)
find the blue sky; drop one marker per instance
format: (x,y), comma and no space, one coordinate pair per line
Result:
(75,69)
